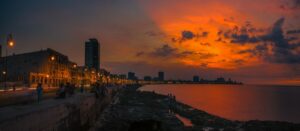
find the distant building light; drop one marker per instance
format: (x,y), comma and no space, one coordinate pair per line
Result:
(4,72)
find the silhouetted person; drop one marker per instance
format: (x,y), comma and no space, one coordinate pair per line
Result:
(97,90)
(61,93)
(14,87)
(81,88)
(103,90)
(72,89)
(69,89)
(39,90)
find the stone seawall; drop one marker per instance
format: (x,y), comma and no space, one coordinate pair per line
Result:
(72,114)
(133,110)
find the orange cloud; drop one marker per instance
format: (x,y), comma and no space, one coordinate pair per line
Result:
(195,17)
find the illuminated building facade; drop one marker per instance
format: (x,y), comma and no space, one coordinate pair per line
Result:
(47,67)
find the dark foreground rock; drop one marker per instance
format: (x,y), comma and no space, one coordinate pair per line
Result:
(133,110)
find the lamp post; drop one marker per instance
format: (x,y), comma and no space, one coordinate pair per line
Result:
(9,44)
(52,59)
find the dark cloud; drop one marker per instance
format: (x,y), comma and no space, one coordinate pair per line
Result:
(296,3)
(243,38)
(220,40)
(220,33)
(251,51)
(164,51)
(289,39)
(282,49)
(187,35)
(167,51)
(293,31)
(204,34)
(277,36)
(242,35)
(290,4)
(239,62)
(259,50)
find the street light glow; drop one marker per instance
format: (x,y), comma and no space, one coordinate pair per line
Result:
(11,43)
(4,72)
(52,58)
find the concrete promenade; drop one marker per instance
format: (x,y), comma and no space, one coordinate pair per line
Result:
(74,113)
(24,96)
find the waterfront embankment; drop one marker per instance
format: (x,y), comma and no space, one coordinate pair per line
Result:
(133,110)
(75,113)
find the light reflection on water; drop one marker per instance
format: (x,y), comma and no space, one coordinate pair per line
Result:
(238,102)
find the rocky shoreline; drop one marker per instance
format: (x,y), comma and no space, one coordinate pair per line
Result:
(133,110)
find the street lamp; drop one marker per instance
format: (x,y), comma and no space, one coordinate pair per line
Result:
(52,58)
(10,43)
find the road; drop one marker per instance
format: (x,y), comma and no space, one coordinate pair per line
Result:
(23,96)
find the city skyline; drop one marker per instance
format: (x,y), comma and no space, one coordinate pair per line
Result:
(209,38)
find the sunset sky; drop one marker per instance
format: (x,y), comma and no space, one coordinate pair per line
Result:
(254,41)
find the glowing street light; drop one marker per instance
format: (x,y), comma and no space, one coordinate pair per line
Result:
(10,43)
(52,58)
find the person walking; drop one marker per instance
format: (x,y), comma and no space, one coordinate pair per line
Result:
(39,90)
(81,88)
(61,93)
(14,87)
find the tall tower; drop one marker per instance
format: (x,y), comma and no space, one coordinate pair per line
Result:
(161,76)
(92,54)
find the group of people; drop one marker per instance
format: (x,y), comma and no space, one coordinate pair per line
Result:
(65,90)
(172,102)
(100,90)
(172,98)
(68,89)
